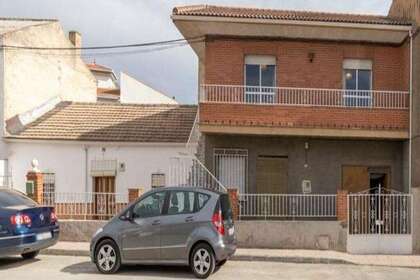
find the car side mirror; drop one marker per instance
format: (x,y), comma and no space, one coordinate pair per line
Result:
(127,216)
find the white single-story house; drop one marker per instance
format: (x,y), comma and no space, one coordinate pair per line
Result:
(101,147)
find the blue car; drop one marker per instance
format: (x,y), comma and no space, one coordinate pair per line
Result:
(25,227)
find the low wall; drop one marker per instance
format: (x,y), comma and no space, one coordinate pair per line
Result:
(78,230)
(324,235)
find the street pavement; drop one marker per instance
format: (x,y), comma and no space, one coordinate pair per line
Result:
(50,267)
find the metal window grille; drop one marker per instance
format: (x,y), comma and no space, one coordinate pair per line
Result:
(158,180)
(231,167)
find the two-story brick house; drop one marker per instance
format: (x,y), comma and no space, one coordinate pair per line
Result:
(302,102)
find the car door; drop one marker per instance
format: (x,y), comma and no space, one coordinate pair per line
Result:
(141,236)
(177,225)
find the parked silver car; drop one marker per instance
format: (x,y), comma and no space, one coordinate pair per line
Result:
(174,226)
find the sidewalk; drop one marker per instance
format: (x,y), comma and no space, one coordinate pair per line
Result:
(273,255)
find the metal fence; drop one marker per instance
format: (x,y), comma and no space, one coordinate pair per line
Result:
(90,206)
(270,206)
(380,213)
(188,171)
(304,96)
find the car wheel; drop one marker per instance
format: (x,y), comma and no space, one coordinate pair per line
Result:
(202,261)
(107,257)
(31,255)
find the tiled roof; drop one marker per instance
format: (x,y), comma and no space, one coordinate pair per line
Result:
(113,123)
(99,68)
(256,13)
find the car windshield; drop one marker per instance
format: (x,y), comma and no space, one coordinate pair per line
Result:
(9,198)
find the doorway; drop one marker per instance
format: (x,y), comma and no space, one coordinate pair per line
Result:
(104,201)
(378,181)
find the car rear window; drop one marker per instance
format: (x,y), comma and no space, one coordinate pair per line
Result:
(225,206)
(8,198)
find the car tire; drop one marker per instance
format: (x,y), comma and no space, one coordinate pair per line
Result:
(202,261)
(107,257)
(30,255)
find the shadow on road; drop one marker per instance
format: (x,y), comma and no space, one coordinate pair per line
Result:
(138,270)
(14,262)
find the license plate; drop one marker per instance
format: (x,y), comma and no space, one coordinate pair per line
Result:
(231,231)
(43,236)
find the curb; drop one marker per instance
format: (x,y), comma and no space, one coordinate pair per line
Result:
(251,258)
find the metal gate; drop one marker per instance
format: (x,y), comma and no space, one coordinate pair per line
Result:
(379,222)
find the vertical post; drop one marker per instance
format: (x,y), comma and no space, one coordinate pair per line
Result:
(342,205)
(234,201)
(37,178)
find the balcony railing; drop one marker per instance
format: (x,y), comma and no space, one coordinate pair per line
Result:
(289,206)
(304,97)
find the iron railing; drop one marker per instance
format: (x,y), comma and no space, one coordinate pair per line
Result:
(288,96)
(87,206)
(269,206)
(188,171)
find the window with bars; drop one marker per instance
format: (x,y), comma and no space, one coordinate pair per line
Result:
(231,168)
(158,180)
(48,187)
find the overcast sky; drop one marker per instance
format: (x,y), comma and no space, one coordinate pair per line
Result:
(174,71)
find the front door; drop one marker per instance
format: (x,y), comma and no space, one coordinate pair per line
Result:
(272,174)
(141,236)
(178,225)
(104,202)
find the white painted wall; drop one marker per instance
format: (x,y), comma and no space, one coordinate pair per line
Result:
(33,77)
(105,80)
(67,161)
(135,92)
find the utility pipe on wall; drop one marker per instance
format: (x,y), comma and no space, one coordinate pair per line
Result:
(410,34)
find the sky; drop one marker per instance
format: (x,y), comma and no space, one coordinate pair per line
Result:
(172,71)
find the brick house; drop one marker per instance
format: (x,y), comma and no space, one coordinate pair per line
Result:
(298,109)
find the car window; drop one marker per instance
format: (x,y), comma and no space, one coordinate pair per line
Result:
(227,213)
(181,202)
(202,199)
(8,198)
(149,206)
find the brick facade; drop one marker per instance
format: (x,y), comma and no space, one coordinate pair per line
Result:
(302,117)
(234,202)
(38,179)
(224,62)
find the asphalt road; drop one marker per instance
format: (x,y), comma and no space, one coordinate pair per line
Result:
(63,268)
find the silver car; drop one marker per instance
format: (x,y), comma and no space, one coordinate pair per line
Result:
(174,226)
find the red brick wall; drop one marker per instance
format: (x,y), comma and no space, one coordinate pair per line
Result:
(289,116)
(224,62)
(342,207)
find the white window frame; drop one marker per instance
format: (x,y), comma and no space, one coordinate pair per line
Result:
(357,64)
(260,60)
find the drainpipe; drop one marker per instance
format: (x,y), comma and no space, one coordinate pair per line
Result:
(86,178)
(410,160)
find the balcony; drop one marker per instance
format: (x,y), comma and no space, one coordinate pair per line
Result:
(304,111)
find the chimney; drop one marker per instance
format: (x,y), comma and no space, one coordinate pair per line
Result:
(406,9)
(75,38)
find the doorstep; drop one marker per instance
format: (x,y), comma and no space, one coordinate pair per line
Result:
(274,255)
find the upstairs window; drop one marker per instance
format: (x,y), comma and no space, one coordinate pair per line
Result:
(357,76)
(260,78)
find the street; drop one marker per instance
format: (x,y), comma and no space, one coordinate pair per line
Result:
(62,267)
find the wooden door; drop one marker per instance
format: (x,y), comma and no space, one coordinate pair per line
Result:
(355,178)
(272,174)
(104,197)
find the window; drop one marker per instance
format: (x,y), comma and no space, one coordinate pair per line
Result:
(202,200)
(231,166)
(181,202)
(48,187)
(158,180)
(150,206)
(357,82)
(260,78)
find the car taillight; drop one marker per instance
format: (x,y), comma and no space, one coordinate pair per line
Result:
(217,221)
(20,219)
(53,217)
